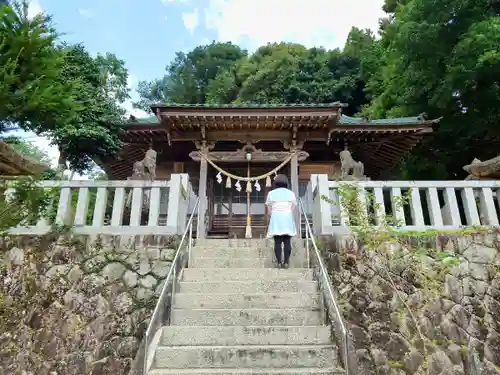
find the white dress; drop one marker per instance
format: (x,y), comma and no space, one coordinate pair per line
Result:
(282,203)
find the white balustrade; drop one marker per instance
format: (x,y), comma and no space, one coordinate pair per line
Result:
(116,207)
(411,205)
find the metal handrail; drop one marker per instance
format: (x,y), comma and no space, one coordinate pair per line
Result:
(158,316)
(328,293)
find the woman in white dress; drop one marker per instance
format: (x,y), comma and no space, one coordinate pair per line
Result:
(281,203)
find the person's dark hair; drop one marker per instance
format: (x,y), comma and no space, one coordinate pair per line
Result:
(281,181)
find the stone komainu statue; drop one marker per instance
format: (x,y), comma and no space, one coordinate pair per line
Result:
(144,170)
(487,170)
(348,165)
(149,163)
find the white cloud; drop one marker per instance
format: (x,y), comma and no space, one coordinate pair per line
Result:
(86,12)
(134,111)
(312,23)
(34,8)
(166,2)
(191,20)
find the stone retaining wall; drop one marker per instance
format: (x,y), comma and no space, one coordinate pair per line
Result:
(79,305)
(466,317)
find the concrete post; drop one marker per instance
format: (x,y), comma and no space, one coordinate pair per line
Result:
(322,217)
(177,203)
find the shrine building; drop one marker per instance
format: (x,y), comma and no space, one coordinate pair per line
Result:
(254,140)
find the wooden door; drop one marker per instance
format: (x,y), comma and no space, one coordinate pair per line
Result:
(228,207)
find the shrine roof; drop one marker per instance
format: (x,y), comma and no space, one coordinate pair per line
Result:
(415,120)
(143,120)
(304,115)
(379,143)
(189,115)
(249,105)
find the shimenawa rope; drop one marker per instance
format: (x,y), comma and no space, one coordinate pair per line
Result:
(266,176)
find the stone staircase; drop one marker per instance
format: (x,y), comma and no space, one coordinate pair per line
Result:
(234,313)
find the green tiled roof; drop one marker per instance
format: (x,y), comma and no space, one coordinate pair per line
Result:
(147,120)
(347,120)
(251,105)
(344,120)
(133,121)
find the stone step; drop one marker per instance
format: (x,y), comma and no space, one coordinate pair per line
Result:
(242,274)
(253,371)
(240,252)
(222,262)
(230,252)
(246,300)
(253,286)
(246,317)
(275,356)
(244,243)
(245,335)
(240,262)
(232,242)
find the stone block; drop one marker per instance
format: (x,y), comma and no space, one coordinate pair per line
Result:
(246,317)
(241,357)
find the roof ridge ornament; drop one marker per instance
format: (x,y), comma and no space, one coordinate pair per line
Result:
(422,116)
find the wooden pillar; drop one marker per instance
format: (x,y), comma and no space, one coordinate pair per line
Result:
(294,175)
(201,231)
(202,193)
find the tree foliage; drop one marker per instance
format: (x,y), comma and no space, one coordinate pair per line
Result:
(94,132)
(442,58)
(276,73)
(188,75)
(59,91)
(31,93)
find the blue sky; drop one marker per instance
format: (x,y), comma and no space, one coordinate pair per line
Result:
(147,33)
(145,36)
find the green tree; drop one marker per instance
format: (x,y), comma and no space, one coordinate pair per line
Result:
(60,92)
(442,58)
(189,75)
(358,41)
(95,132)
(275,73)
(291,73)
(31,93)
(114,76)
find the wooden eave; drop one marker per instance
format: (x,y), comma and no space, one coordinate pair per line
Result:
(386,153)
(266,122)
(13,163)
(160,133)
(260,121)
(379,151)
